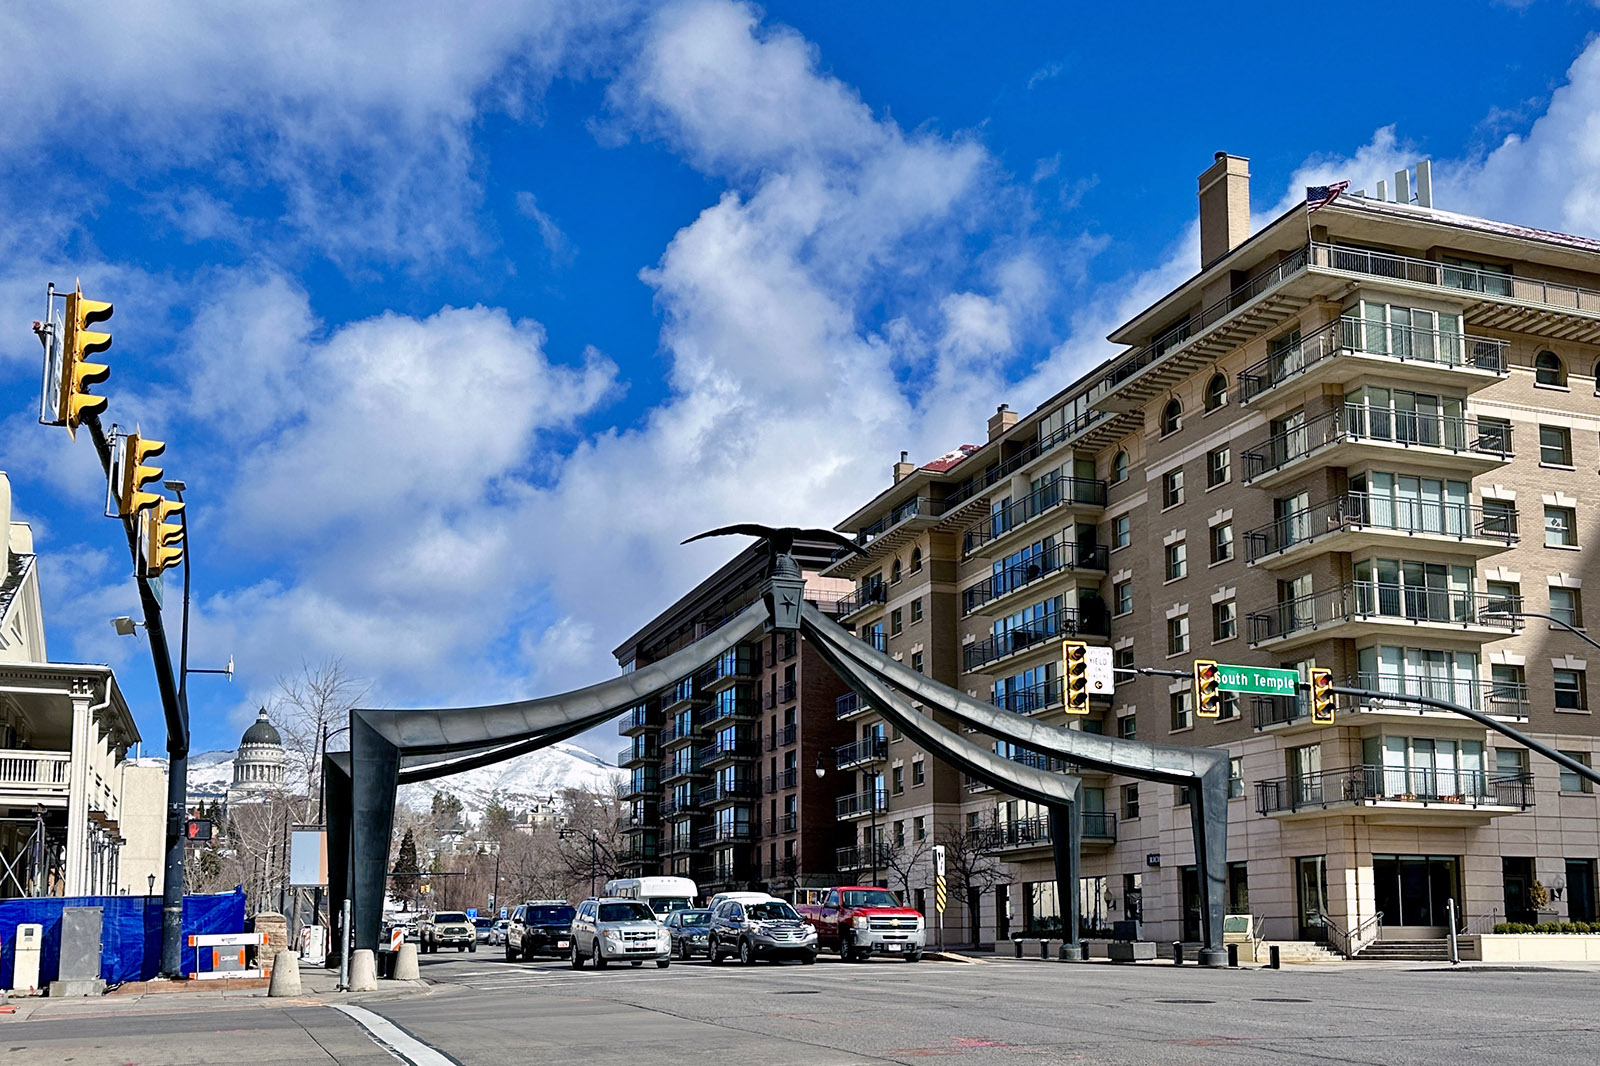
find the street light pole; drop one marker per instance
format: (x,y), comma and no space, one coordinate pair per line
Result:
(177,779)
(1552,619)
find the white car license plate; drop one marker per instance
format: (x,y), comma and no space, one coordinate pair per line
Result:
(896,947)
(561,943)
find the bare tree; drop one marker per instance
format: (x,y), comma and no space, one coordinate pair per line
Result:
(903,861)
(972,864)
(591,837)
(308,705)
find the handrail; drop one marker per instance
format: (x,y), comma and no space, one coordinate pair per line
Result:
(1047,497)
(1469,279)
(1060,556)
(1367,510)
(1035,697)
(1358,421)
(1351,334)
(1066,622)
(1380,599)
(1353,940)
(1377,783)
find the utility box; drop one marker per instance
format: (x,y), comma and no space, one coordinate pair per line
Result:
(80,953)
(25,957)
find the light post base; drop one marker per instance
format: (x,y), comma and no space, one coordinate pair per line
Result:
(1070,952)
(1215,958)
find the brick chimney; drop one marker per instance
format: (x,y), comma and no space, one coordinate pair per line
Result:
(904,467)
(1002,419)
(1224,207)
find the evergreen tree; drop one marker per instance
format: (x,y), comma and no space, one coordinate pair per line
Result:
(403,886)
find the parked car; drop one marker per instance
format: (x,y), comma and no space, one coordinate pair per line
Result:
(484,926)
(539,927)
(688,930)
(447,929)
(766,928)
(617,930)
(859,921)
(753,897)
(497,931)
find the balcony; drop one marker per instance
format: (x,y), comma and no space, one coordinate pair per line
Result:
(680,844)
(740,663)
(1349,347)
(638,720)
(862,804)
(788,822)
(638,851)
(851,706)
(1064,558)
(863,857)
(32,773)
(1085,494)
(637,755)
(862,598)
(688,765)
(724,792)
(781,694)
(1503,700)
(1067,622)
(1381,609)
(672,736)
(861,753)
(1358,433)
(727,834)
(782,737)
(641,787)
(1358,520)
(783,780)
(1396,795)
(730,708)
(1031,699)
(685,693)
(722,751)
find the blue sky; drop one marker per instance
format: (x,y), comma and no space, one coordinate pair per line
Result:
(457,318)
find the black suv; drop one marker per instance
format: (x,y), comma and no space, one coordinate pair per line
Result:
(539,929)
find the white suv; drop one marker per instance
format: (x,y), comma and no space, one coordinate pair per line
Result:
(618,930)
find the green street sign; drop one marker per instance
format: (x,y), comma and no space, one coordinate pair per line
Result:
(1262,680)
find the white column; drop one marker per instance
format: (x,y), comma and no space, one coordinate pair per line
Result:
(77,859)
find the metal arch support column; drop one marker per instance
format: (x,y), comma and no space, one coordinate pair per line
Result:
(1066,834)
(1208,813)
(336,811)
(374,776)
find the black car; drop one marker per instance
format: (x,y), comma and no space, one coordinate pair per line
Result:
(545,929)
(688,929)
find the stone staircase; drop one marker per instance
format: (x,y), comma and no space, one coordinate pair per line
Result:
(1293,951)
(1406,951)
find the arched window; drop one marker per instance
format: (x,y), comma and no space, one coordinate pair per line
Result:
(916,560)
(1548,369)
(1171,417)
(1119,467)
(1216,392)
(894,571)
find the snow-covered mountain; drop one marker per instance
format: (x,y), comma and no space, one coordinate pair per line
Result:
(519,782)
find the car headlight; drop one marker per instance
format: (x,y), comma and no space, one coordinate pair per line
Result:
(613,934)
(919,922)
(859,921)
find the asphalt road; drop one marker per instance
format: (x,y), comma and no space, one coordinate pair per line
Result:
(1000,1011)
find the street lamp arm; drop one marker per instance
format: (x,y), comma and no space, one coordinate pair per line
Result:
(1552,619)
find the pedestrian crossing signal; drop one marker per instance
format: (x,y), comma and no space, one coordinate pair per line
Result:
(198,829)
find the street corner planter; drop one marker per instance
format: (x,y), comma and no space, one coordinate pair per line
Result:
(1531,947)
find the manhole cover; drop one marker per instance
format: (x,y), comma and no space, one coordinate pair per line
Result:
(1185,1001)
(1280,999)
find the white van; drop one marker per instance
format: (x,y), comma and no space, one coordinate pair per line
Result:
(664,894)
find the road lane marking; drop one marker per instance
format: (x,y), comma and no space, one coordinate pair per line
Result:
(395,1039)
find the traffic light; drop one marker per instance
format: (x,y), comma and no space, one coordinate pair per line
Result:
(160,540)
(1207,697)
(198,829)
(1075,676)
(77,373)
(1322,696)
(133,475)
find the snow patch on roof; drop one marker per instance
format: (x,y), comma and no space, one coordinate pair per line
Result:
(950,459)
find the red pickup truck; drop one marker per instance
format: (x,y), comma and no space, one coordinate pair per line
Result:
(859,921)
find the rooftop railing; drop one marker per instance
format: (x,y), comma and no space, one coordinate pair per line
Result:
(1447,276)
(1351,335)
(1363,510)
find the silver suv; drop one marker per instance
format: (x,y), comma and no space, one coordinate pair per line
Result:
(618,930)
(760,928)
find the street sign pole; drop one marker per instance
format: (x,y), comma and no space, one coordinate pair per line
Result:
(939,890)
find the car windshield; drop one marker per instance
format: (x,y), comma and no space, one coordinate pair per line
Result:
(694,917)
(449,916)
(482,923)
(668,904)
(870,897)
(626,912)
(777,911)
(549,915)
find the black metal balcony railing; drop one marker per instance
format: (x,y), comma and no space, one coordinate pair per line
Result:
(1351,335)
(869,802)
(876,638)
(1503,698)
(676,734)
(1068,556)
(1443,275)
(639,787)
(862,857)
(725,834)
(788,822)
(849,704)
(639,718)
(725,710)
(726,791)
(1371,783)
(920,506)
(688,762)
(1359,422)
(635,753)
(637,852)
(1028,700)
(736,664)
(861,752)
(782,737)
(1380,601)
(680,844)
(1064,623)
(783,780)
(685,691)
(1364,510)
(780,694)
(1083,492)
(722,749)
(865,596)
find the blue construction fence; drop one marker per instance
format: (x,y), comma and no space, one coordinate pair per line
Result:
(130,931)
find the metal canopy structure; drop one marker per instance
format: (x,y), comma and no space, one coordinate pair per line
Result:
(389,748)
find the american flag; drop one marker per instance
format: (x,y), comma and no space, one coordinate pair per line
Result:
(1323,195)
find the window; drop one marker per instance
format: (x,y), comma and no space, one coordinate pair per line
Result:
(1235,777)
(1560,527)
(1222,542)
(895,621)
(1178,635)
(1571,690)
(1219,467)
(1510,762)
(1177,560)
(918,776)
(916,560)
(894,571)
(1128,727)
(1119,468)
(1182,795)
(1571,780)
(1499,517)
(1122,596)
(1130,801)
(1121,531)
(1122,658)
(1566,606)
(1182,709)
(916,661)
(916,609)
(1216,392)
(919,825)
(1172,488)
(1494,435)
(1227,705)
(1548,369)
(1224,620)
(898,780)
(1171,417)
(1555,446)
(900,834)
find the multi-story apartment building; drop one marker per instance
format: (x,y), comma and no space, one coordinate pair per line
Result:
(1353,440)
(722,784)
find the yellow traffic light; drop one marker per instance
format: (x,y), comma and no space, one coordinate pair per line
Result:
(77,373)
(160,540)
(134,475)
(1207,696)
(1322,696)
(1075,676)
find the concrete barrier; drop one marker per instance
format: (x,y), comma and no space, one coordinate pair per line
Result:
(1131,950)
(285,974)
(363,971)
(405,963)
